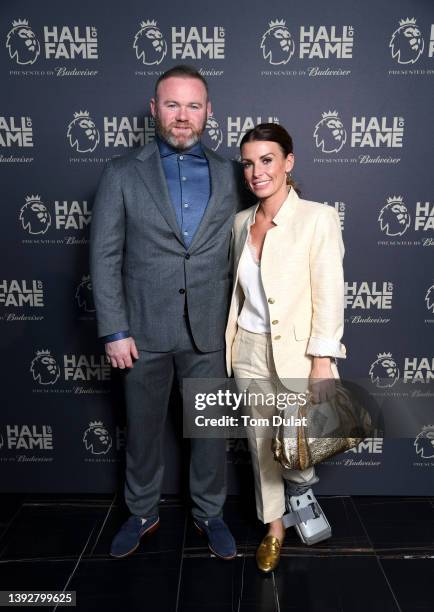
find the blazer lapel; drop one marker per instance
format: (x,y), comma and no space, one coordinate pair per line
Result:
(239,245)
(151,172)
(281,238)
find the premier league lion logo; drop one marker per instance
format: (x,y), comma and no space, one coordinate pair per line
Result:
(384,372)
(44,368)
(34,216)
(330,134)
(84,295)
(407,43)
(149,44)
(394,217)
(429,299)
(97,439)
(22,44)
(424,442)
(277,44)
(214,132)
(82,133)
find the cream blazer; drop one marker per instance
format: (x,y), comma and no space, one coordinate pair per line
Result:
(302,276)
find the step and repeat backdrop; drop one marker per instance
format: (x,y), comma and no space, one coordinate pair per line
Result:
(353,84)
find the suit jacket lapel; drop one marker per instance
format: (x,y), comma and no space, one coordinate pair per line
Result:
(151,172)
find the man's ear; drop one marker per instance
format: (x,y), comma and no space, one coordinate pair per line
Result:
(153,104)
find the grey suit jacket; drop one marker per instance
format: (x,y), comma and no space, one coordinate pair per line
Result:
(141,270)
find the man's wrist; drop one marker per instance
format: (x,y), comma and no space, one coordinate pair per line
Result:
(117,336)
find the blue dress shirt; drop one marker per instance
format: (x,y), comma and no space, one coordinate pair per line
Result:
(188,182)
(187,177)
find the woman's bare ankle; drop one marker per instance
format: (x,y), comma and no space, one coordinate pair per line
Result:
(276,529)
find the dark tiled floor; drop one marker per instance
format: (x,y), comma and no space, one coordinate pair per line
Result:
(392,524)
(380,558)
(139,584)
(411,581)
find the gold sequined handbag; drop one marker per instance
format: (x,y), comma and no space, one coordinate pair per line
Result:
(332,427)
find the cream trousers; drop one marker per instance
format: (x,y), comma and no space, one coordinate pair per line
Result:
(252,358)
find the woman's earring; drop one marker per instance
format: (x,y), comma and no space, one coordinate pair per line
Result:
(288,178)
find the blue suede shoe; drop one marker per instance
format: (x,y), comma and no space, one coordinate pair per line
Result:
(220,540)
(128,537)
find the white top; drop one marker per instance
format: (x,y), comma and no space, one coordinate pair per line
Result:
(254,316)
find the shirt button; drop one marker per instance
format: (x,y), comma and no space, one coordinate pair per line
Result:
(185,205)
(277,337)
(181,157)
(182,291)
(275,322)
(270,301)
(184,178)
(185,233)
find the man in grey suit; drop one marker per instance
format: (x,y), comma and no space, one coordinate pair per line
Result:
(160,242)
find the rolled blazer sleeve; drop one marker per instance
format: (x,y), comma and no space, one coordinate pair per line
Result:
(107,243)
(327,283)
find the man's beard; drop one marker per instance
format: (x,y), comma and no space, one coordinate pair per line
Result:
(178,142)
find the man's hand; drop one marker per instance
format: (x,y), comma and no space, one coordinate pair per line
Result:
(321,380)
(121,353)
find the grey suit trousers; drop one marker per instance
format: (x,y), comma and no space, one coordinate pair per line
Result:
(147,389)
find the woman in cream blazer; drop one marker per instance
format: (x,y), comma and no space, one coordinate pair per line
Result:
(286,313)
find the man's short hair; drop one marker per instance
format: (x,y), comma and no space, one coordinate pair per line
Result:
(183,71)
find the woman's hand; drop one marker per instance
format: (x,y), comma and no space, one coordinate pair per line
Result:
(321,380)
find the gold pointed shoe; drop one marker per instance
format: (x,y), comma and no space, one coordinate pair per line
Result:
(268,554)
